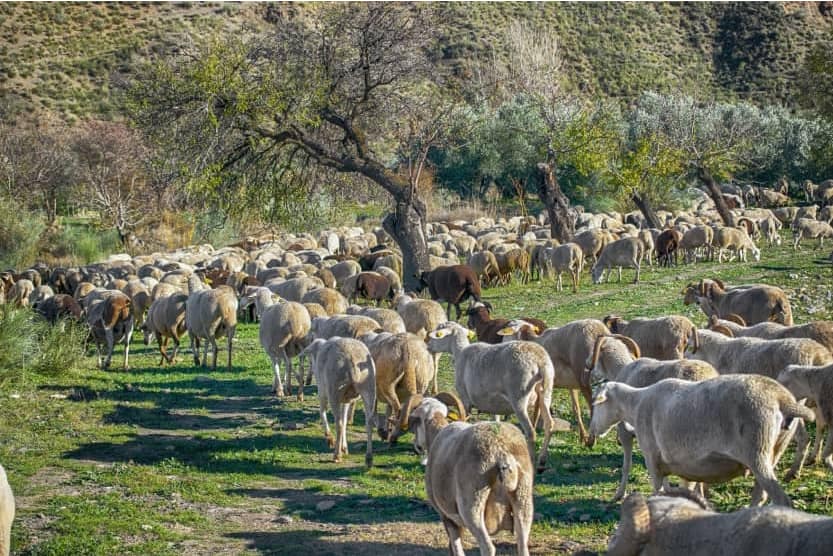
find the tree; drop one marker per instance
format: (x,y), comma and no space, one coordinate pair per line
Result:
(110,166)
(36,164)
(317,91)
(716,139)
(577,133)
(814,82)
(646,170)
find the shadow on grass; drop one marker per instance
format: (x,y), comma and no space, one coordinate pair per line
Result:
(353,508)
(326,542)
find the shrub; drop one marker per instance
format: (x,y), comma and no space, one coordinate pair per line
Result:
(31,346)
(20,231)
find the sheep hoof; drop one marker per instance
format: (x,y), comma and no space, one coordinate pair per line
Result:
(590,441)
(331,443)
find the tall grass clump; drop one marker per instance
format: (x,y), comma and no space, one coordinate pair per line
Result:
(20,232)
(30,346)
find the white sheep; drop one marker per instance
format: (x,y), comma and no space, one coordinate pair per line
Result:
(166,320)
(626,252)
(6,513)
(501,379)
(344,372)
(738,426)
(565,258)
(210,314)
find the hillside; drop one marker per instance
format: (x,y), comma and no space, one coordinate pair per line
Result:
(62,56)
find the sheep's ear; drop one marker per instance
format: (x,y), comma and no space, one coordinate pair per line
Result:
(441,333)
(600,398)
(472,335)
(536,329)
(506,331)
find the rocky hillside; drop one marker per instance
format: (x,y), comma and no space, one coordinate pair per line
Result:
(62,56)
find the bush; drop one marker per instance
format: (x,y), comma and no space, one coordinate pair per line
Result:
(31,346)
(20,232)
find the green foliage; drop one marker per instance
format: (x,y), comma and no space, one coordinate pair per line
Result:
(83,244)
(29,344)
(20,232)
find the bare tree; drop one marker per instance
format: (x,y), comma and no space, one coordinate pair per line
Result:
(110,166)
(36,164)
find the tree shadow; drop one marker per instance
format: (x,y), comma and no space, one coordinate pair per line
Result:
(327,543)
(348,508)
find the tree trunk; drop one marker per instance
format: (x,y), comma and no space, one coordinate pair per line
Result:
(644,205)
(406,225)
(562,217)
(714,192)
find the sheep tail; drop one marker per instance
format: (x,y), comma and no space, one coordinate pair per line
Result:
(507,472)
(791,409)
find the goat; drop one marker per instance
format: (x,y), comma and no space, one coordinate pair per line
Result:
(452,284)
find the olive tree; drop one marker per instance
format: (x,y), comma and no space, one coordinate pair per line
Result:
(325,91)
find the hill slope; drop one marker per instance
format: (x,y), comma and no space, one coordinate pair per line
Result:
(61,56)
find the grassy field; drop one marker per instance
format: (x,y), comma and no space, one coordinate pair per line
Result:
(185,461)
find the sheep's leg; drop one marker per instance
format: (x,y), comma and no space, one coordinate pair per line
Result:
(526,425)
(436,372)
(657,478)
(801,440)
(205,352)
(626,440)
(195,348)
(455,543)
(175,338)
(636,279)
(163,343)
(574,276)
(322,404)
(558,286)
(229,338)
(765,479)
(369,400)
(620,273)
(577,412)
(214,350)
(108,335)
(520,502)
(339,414)
(818,442)
(827,455)
(345,409)
(289,372)
(127,336)
(472,515)
(277,386)
(352,413)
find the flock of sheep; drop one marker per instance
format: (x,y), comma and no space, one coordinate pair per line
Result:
(743,380)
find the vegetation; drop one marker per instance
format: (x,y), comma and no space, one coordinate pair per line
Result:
(182,460)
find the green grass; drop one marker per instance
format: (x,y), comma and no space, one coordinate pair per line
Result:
(182,460)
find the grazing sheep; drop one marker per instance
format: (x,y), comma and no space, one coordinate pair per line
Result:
(660,338)
(617,358)
(139,300)
(739,420)
(770,198)
(59,306)
(679,522)
(755,355)
(735,239)
(484,264)
(388,319)
(698,237)
(592,242)
(283,334)
(501,379)
(111,321)
(754,304)
(487,328)
(331,300)
(421,317)
(6,513)
(816,384)
(294,289)
(452,284)
(568,346)
(627,252)
(404,368)
(19,293)
(344,372)
(821,331)
(479,477)
(345,326)
(770,227)
(344,270)
(668,245)
(565,258)
(166,320)
(373,287)
(393,278)
(811,229)
(210,314)
(514,260)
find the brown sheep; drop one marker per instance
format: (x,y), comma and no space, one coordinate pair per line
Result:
(111,320)
(452,284)
(667,245)
(487,328)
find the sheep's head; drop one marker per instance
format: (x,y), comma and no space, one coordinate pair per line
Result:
(614,323)
(425,417)
(443,339)
(147,335)
(596,273)
(606,413)
(793,379)
(756,253)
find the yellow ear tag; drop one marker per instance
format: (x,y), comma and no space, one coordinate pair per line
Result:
(472,335)
(453,415)
(600,398)
(508,331)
